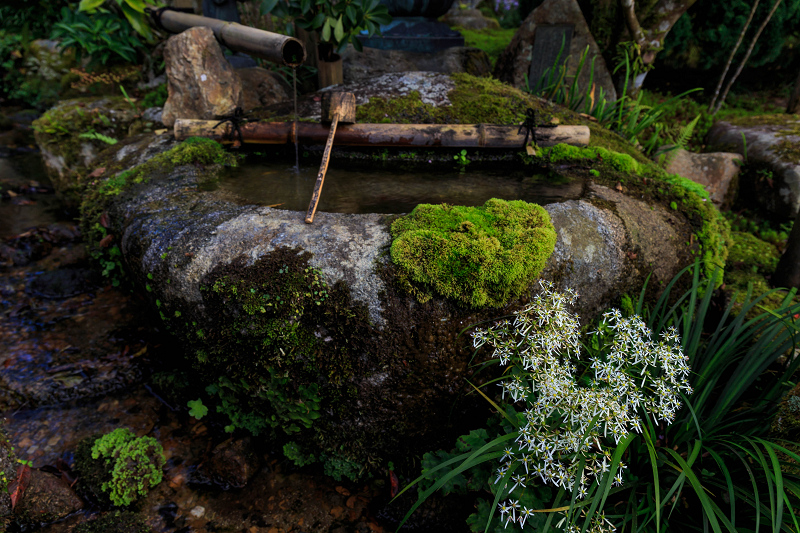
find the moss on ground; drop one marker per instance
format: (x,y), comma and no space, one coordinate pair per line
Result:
(478,256)
(490,40)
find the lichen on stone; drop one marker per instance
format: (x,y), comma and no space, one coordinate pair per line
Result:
(478,256)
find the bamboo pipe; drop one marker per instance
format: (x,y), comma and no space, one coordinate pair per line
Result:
(267,45)
(397,135)
(335,107)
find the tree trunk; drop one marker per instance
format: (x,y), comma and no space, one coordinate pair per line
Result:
(733,53)
(662,17)
(787,274)
(794,100)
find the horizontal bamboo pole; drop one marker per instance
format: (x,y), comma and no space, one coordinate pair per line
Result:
(264,44)
(398,135)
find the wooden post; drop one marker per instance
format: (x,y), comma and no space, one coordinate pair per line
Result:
(336,107)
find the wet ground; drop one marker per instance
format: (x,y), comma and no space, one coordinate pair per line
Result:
(76,356)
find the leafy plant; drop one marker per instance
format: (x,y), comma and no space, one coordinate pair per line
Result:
(134,11)
(103,36)
(93,135)
(134,464)
(336,23)
(196,408)
(461,159)
(711,458)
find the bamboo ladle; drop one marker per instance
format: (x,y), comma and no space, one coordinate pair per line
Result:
(336,108)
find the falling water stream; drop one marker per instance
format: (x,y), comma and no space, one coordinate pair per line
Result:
(296,144)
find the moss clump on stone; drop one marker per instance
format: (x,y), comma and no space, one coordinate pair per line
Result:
(98,194)
(565,152)
(115,522)
(749,253)
(119,467)
(478,256)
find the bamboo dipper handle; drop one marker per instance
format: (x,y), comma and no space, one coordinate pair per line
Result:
(323,168)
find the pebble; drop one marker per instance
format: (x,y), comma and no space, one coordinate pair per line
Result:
(198,511)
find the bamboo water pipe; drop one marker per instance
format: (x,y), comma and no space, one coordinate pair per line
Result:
(266,45)
(383,135)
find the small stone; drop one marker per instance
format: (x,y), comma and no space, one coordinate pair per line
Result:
(198,511)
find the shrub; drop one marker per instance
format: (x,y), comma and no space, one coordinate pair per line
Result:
(478,256)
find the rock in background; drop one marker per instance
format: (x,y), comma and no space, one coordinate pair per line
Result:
(773,142)
(514,63)
(201,82)
(372,62)
(716,171)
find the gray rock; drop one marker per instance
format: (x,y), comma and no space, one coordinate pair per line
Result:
(232,464)
(471,19)
(714,171)
(773,143)
(372,62)
(46,498)
(153,114)
(201,83)
(432,87)
(8,467)
(261,87)
(514,63)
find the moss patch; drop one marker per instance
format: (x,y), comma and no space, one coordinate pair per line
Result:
(478,256)
(490,40)
(115,522)
(98,231)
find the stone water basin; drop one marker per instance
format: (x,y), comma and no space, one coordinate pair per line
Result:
(371,372)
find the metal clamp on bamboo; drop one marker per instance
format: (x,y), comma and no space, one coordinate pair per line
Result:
(264,44)
(387,135)
(336,107)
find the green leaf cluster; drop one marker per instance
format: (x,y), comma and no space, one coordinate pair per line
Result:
(135,464)
(478,256)
(337,23)
(134,11)
(102,36)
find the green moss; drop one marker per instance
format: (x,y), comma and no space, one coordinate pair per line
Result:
(615,160)
(99,194)
(134,464)
(490,40)
(711,228)
(781,119)
(478,256)
(751,254)
(118,468)
(115,522)
(787,150)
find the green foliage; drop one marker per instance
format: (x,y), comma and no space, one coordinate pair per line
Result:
(134,463)
(295,454)
(196,408)
(31,19)
(132,9)
(461,159)
(91,134)
(156,97)
(103,36)
(478,256)
(704,37)
(337,23)
(270,402)
(339,467)
(115,522)
(490,40)
(712,460)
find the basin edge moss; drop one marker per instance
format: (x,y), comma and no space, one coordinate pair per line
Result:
(478,256)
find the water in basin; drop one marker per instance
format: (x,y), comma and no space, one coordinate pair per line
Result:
(383,190)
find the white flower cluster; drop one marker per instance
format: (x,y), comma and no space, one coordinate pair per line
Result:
(568,421)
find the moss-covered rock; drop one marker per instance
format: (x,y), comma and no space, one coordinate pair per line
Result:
(478,256)
(8,472)
(71,135)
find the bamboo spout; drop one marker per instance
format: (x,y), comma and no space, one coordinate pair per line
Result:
(266,45)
